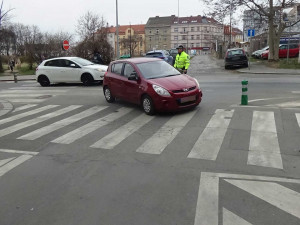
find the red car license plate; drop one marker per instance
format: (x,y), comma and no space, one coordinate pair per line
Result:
(188,99)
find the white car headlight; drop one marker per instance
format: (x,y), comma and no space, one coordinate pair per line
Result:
(161,91)
(100,70)
(197,83)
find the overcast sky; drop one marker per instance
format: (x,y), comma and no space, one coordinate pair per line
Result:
(62,15)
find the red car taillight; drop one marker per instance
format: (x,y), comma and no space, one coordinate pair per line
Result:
(162,57)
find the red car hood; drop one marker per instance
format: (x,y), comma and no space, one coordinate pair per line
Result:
(175,82)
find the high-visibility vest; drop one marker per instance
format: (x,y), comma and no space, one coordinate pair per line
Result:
(182,61)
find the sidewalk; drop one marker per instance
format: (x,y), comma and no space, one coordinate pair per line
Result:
(10,77)
(259,68)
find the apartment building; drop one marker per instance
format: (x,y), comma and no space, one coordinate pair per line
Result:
(129,35)
(196,33)
(158,33)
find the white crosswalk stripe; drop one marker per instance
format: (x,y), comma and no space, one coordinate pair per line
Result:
(298,118)
(117,136)
(25,114)
(25,95)
(37,120)
(24,107)
(90,127)
(209,143)
(62,123)
(164,136)
(264,148)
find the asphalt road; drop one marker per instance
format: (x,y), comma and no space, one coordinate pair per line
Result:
(69,157)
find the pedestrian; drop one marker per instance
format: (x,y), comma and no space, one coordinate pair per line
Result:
(182,61)
(11,65)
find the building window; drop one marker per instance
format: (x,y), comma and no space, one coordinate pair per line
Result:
(175,38)
(157,31)
(192,37)
(192,45)
(198,28)
(176,29)
(185,29)
(198,37)
(165,38)
(150,39)
(192,29)
(198,44)
(183,37)
(184,21)
(150,31)
(150,46)
(175,45)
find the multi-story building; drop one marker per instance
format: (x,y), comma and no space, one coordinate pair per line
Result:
(196,33)
(233,35)
(129,35)
(158,32)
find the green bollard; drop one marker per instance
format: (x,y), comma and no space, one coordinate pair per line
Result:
(244,99)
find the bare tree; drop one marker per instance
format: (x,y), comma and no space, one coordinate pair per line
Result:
(88,25)
(271,11)
(93,34)
(131,43)
(4,17)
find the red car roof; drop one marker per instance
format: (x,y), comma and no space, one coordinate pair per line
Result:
(138,60)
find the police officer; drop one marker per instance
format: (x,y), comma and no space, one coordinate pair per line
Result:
(182,61)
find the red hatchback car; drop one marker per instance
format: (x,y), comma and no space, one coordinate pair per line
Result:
(152,83)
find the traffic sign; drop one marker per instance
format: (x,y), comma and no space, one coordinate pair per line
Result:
(251,32)
(66,45)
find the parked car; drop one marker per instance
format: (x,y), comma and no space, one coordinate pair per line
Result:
(162,54)
(69,69)
(235,57)
(283,51)
(257,54)
(173,52)
(152,83)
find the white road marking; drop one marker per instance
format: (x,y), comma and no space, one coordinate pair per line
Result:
(116,137)
(30,100)
(296,92)
(4,161)
(28,123)
(264,147)
(209,143)
(25,114)
(165,135)
(31,91)
(298,118)
(229,218)
(90,127)
(9,166)
(28,106)
(207,203)
(62,123)
(208,196)
(21,96)
(287,104)
(273,193)
(18,152)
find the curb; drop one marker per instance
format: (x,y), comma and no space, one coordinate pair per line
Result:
(18,80)
(250,72)
(7,107)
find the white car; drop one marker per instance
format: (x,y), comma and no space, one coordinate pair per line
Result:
(69,69)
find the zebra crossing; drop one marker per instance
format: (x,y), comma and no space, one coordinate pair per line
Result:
(31,94)
(264,149)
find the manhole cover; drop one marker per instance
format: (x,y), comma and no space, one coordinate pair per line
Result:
(44,96)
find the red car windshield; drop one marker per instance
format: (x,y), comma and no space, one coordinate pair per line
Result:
(157,69)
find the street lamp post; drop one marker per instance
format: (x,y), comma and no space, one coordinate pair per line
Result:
(118,45)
